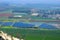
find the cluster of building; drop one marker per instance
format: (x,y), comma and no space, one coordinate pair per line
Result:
(53,14)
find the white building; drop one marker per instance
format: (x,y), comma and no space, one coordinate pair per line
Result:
(35,14)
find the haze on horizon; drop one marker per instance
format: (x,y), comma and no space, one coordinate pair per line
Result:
(32,1)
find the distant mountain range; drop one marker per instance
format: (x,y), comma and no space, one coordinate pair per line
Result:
(10,5)
(30,5)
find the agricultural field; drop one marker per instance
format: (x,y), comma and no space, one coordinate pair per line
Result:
(32,34)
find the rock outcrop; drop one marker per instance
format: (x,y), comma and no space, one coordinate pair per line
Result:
(5,36)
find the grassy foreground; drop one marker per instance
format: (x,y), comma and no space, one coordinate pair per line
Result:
(29,34)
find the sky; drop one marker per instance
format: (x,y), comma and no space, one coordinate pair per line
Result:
(32,1)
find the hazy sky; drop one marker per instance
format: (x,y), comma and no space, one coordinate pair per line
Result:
(33,1)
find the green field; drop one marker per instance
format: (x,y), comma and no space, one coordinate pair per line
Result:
(30,34)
